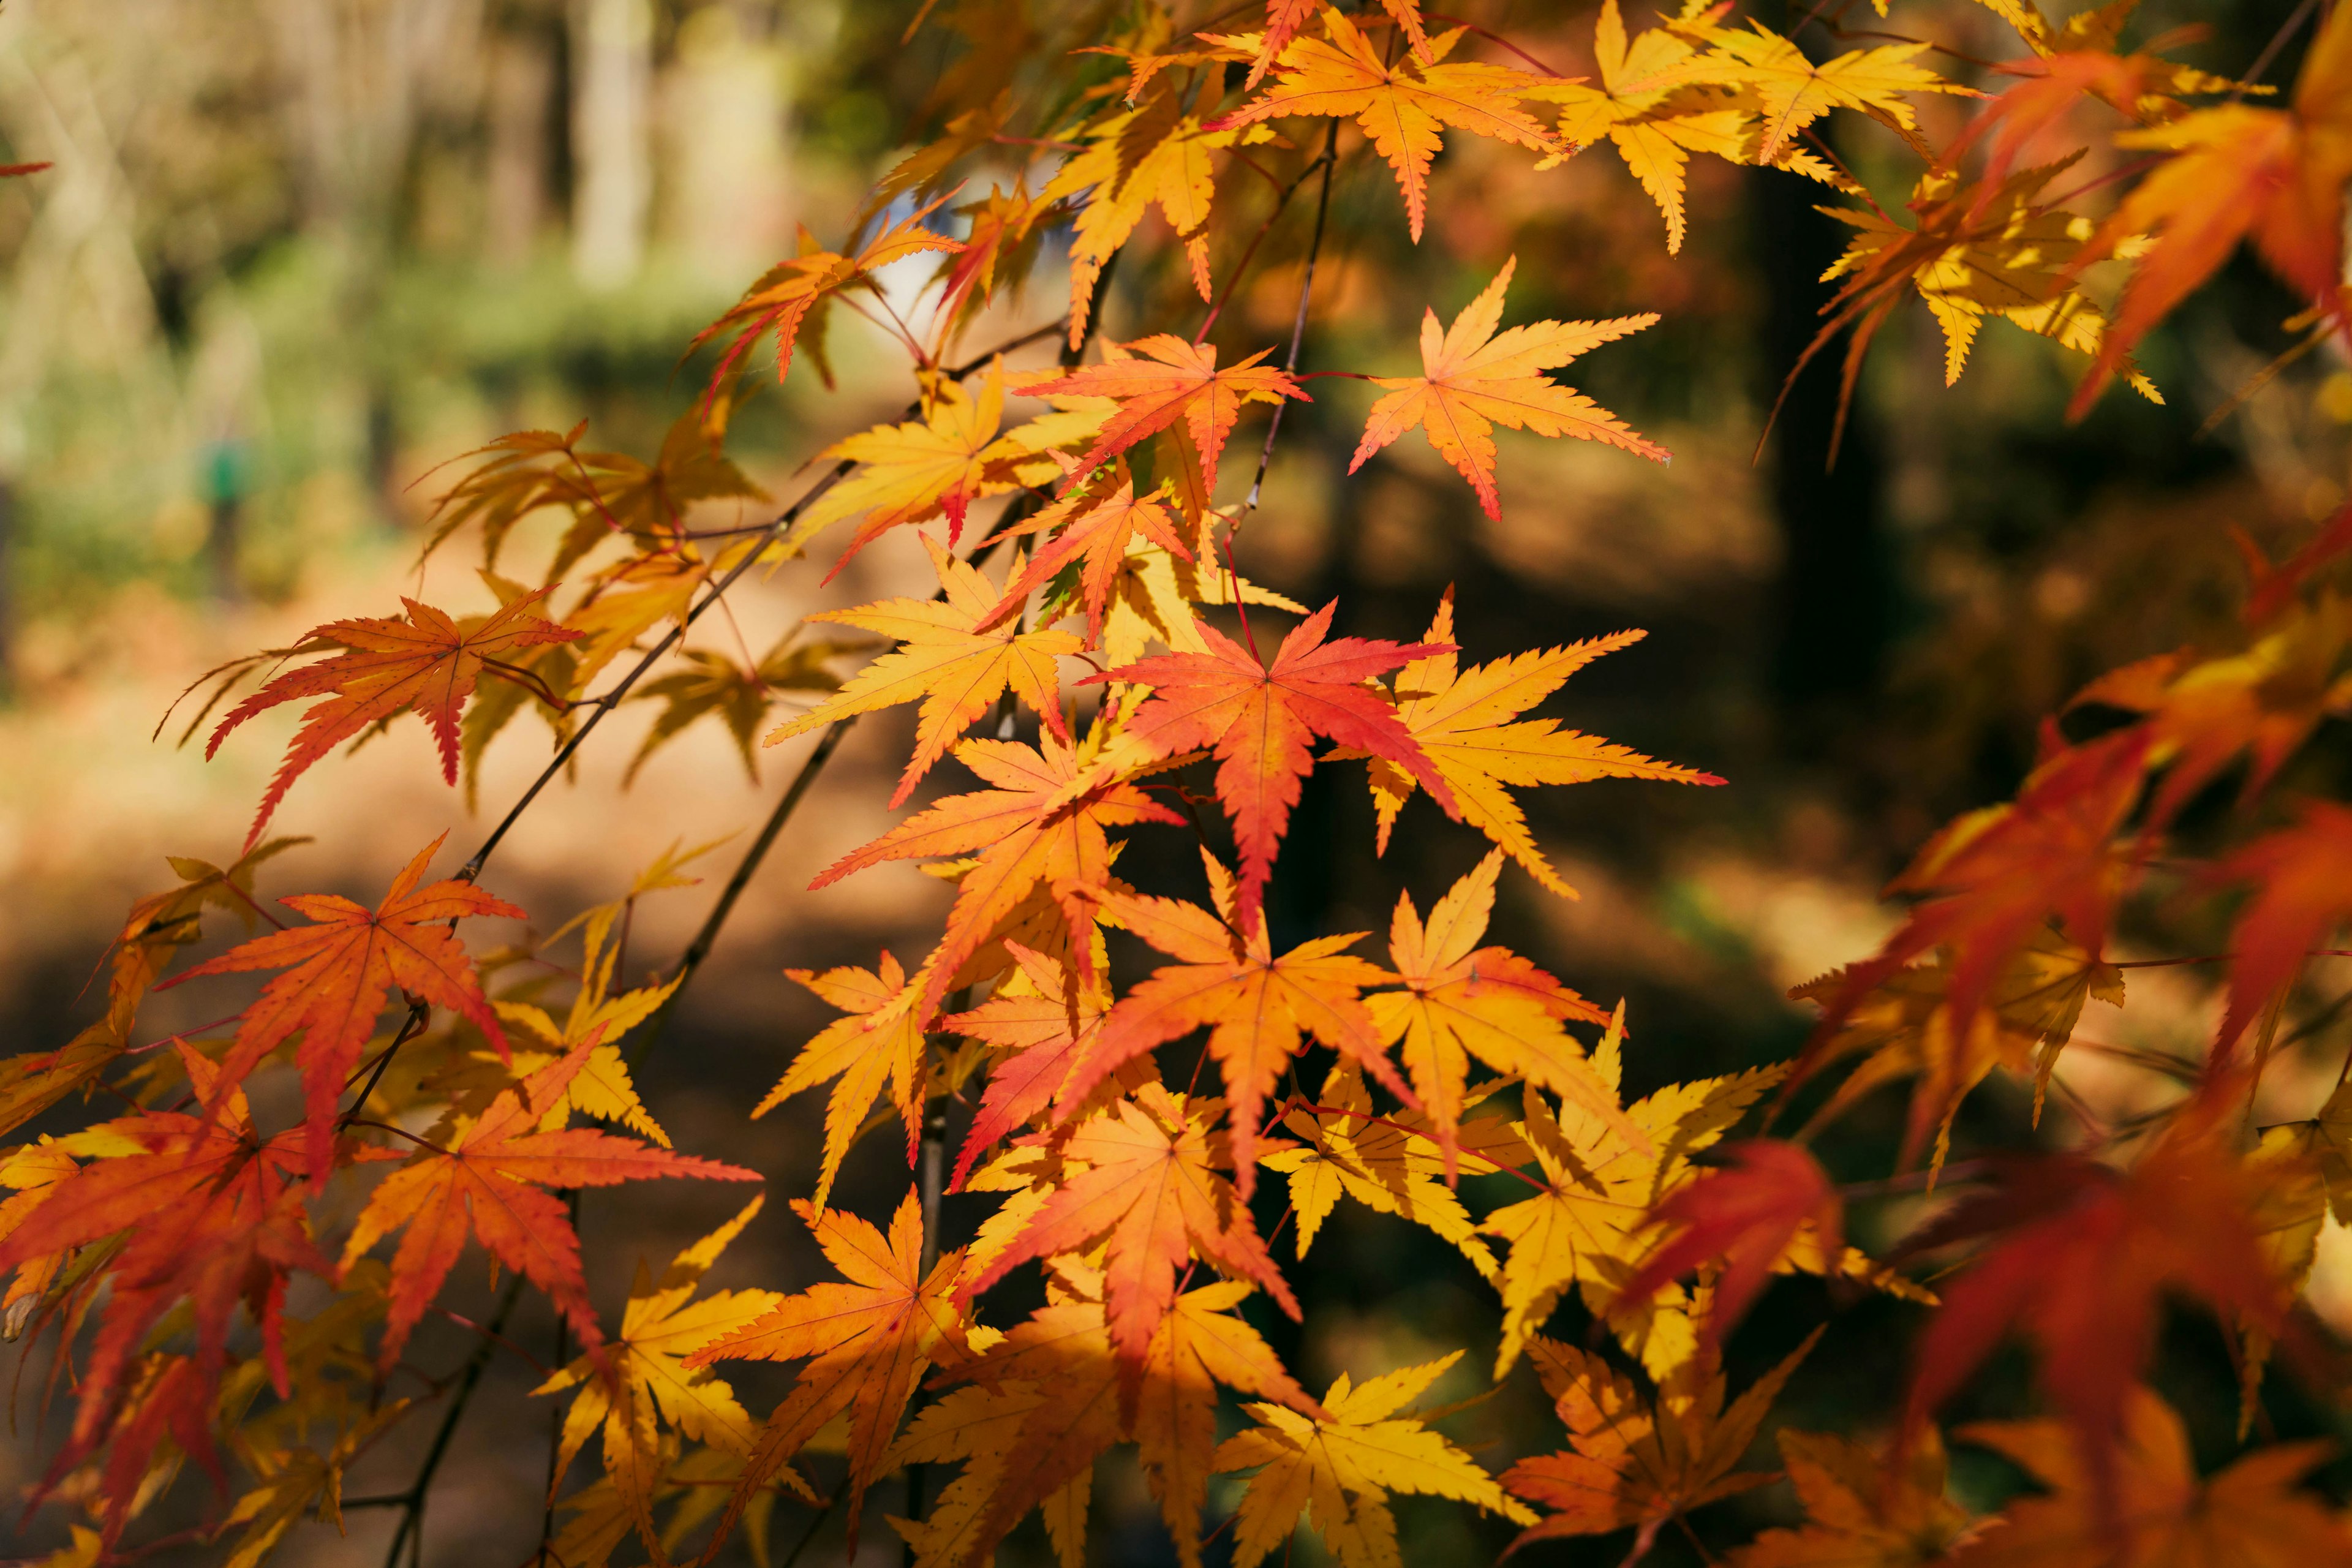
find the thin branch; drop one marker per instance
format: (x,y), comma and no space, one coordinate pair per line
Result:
(811,766)
(1299,319)
(1249,252)
(412,1519)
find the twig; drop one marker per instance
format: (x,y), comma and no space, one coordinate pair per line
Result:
(705,939)
(412,1501)
(1299,319)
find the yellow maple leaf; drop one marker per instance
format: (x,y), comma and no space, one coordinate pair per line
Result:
(1339,1468)
(1404,108)
(946,663)
(939,464)
(1154,153)
(1658,101)
(1584,1228)
(1462,1000)
(1794,91)
(1378,1162)
(636,1386)
(1469,724)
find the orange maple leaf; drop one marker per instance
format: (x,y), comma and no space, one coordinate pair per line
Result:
(1097,523)
(866,1342)
(1257,1007)
(946,660)
(1285,17)
(1746,1216)
(492,1179)
(1048,1028)
(1472,381)
(878,1047)
(783,298)
(1143,1172)
(340,972)
(1462,1000)
(1172,380)
(426,662)
(2235,172)
(1043,823)
(1261,718)
(1404,108)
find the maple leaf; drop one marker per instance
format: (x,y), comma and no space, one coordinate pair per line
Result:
(878,1047)
(340,971)
(1258,1008)
(1467,723)
(1406,108)
(937,465)
(1746,1215)
(785,297)
(865,1343)
(425,661)
(2301,896)
(1861,1511)
(1152,153)
(638,1383)
(741,696)
(946,661)
(1794,91)
(2261,703)
(1656,106)
(1048,1024)
(1160,380)
(1902,1027)
(2248,1513)
(1052,1398)
(2235,172)
(210,1216)
(1043,824)
(1975,250)
(1098,523)
(1637,1463)
(1144,1172)
(1995,877)
(492,1178)
(1472,381)
(1285,17)
(1597,1184)
(2082,1257)
(1389,1163)
(1261,718)
(1339,1469)
(1462,1000)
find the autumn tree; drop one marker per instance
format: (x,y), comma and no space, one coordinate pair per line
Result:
(1163,1093)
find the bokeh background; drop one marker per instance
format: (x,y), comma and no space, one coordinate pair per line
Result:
(295,253)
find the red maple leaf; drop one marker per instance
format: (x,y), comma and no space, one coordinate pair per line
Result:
(493,1180)
(1746,1216)
(340,971)
(1174,380)
(1261,718)
(426,662)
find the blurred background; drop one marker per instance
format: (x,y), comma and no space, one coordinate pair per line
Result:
(292,254)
